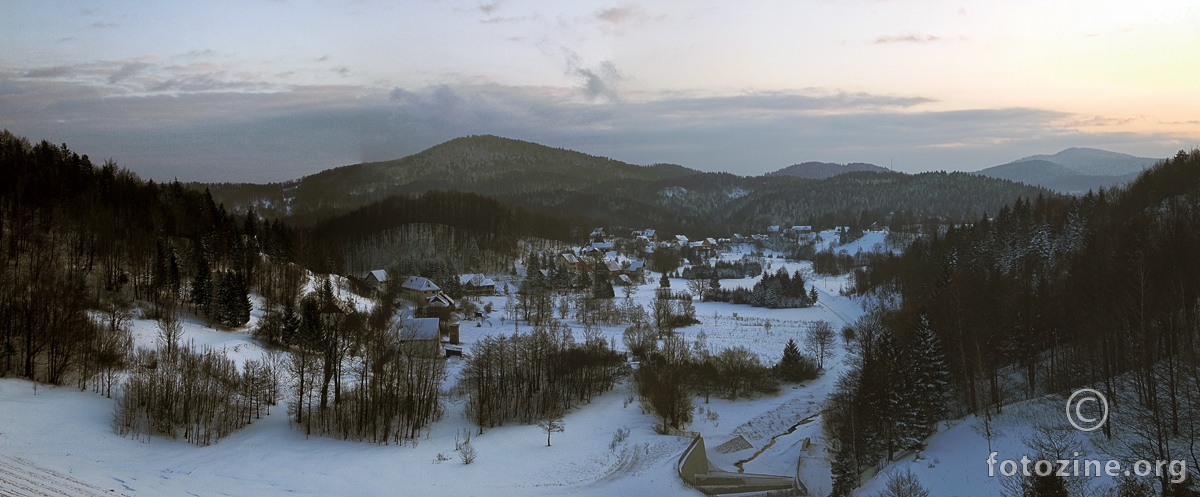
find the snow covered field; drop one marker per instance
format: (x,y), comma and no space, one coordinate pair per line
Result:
(63,439)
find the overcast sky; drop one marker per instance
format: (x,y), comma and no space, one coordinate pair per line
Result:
(272,90)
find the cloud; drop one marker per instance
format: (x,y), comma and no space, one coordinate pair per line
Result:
(50,72)
(599,82)
(489,8)
(103,25)
(914,38)
(127,71)
(213,127)
(623,14)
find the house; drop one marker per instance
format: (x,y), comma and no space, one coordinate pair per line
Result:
(597,234)
(681,240)
(334,311)
(418,288)
(772,229)
(420,336)
(477,284)
(439,300)
(625,280)
(651,235)
(574,263)
(635,269)
(612,266)
(570,262)
(802,233)
(376,278)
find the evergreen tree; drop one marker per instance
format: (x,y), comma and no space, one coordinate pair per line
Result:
(290,327)
(794,367)
(930,374)
(664,282)
(602,288)
(202,286)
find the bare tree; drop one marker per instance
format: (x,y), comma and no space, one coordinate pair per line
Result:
(819,341)
(468,453)
(552,423)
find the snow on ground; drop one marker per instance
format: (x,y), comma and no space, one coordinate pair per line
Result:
(63,431)
(955,459)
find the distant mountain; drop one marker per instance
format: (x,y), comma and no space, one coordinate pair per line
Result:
(487,165)
(594,191)
(822,170)
(1074,170)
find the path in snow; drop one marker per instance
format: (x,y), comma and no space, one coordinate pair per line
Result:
(21,478)
(739,464)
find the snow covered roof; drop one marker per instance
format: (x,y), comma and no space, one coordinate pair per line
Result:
(419,329)
(570,258)
(439,300)
(612,265)
(711,241)
(635,265)
(648,233)
(420,284)
(625,279)
(476,280)
(379,275)
(801,228)
(602,245)
(773,229)
(681,238)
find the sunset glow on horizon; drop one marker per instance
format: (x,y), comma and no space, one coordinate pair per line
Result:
(267,91)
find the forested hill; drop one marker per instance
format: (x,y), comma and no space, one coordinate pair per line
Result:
(487,165)
(580,186)
(819,170)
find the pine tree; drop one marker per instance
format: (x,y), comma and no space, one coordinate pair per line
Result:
(202,287)
(794,367)
(239,301)
(221,300)
(931,375)
(291,324)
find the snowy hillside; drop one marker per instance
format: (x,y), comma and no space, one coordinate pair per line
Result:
(66,432)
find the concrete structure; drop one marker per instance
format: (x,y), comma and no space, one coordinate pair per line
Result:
(697,472)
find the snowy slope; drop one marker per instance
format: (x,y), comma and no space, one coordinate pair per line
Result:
(63,431)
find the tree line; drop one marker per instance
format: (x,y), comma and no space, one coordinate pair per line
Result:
(75,236)
(1100,290)
(535,376)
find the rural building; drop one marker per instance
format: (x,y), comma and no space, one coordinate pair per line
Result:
(418,288)
(376,278)
(477,284)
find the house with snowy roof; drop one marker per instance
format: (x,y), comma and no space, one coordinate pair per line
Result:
(376,278)
(420,336)
(477,284)
(419,288)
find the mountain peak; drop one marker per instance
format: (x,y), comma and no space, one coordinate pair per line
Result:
(821,170)
(1072,170)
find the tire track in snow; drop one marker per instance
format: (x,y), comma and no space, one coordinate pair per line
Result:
(21,478)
